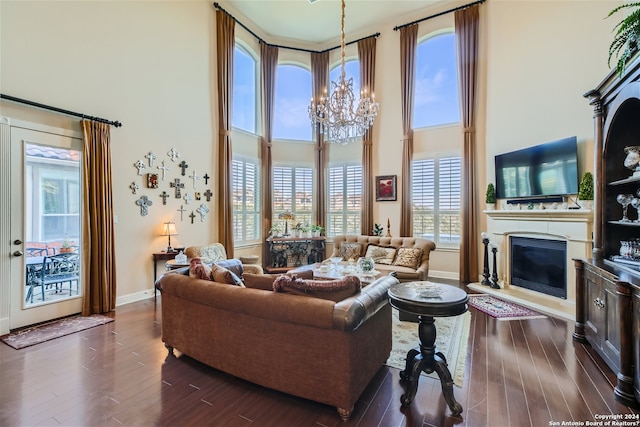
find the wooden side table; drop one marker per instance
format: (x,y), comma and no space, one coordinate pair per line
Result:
(428,300)
(161,256)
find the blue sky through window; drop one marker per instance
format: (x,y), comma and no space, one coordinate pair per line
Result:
(244,91)
(436,98)
(293,95)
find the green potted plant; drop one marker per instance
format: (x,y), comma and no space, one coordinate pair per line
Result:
(66,246)
(490,198)
(626,40)
(585,190)
(275,230)
(317,230)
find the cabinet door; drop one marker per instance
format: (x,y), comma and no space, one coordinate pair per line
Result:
(594,310)
(635,313)
(611,332)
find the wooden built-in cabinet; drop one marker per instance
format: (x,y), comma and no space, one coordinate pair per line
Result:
(607,287)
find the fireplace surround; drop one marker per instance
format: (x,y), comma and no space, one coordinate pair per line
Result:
(571,227)
(539,265)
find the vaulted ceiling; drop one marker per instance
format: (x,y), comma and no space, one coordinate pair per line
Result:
(316,25)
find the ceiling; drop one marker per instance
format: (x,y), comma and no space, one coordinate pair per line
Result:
(316,25)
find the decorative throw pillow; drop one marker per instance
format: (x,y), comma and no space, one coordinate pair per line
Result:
(334,290)
(222,275)
(265,281)
(199,270)
(381,254)
(350,251)
(408,257)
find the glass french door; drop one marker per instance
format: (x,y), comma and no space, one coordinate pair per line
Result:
(46,215)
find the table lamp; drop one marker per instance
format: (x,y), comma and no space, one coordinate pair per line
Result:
(170,230)
(286,216)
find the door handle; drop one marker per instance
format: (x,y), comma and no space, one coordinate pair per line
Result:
(18,253)
(17,242)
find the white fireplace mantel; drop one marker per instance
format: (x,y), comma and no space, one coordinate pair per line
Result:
(574,226)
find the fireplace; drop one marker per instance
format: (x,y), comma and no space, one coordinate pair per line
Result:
(539,265)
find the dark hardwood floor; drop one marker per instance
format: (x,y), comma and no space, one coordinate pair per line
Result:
(518,373)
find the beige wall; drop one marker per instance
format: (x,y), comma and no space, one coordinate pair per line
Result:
(151,65)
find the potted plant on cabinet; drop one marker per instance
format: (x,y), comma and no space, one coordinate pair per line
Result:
(316,230)
(627,39)
(490,198)
(585,191)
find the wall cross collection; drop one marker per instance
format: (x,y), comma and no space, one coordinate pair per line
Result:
(151,182)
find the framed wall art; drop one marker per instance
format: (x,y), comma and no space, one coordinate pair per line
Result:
(152,180)
(386,188)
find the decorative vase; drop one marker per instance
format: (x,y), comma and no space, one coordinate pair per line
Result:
(365,264)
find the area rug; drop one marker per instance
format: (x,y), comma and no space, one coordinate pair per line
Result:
(48,331)
(502,310)
(452,336)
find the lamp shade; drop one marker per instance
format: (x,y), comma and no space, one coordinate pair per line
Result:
(170,229)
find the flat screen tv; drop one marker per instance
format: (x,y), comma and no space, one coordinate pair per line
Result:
(541,171)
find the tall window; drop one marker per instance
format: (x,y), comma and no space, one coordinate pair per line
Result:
(293,192)
(293,93)
(436,91)
(246,200)
(245,77)
(345,200)
(435,187)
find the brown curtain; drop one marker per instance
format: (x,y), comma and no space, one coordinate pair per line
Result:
(408,43)
(225,42)
(367,58)
(269,64)
(320,79)
(98,242)
(466,25)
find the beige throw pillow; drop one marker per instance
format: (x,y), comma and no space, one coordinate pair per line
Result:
(381,254)
(408,257)
(350,251)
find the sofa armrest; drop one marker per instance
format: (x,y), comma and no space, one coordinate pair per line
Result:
(352,312)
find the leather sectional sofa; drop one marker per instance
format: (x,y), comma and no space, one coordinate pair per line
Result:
(306,346)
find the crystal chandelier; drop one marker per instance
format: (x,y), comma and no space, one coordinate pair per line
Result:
(341,117)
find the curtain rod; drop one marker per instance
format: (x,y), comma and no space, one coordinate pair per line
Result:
(59,110)
(217,6)
(439,14)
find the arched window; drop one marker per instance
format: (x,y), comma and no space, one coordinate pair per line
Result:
(292,97)
(436,100)
(245,77)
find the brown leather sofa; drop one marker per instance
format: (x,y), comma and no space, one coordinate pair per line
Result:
(309,347)
(404,274)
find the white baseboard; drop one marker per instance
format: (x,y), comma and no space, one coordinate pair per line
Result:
(451,275)
(137,296)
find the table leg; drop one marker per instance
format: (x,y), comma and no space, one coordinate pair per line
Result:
(427,360)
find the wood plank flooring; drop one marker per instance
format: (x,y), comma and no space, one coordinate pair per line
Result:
(518,373)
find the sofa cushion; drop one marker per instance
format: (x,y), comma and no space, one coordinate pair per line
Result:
(350,251)
(334,290)
(222,275)
(199,270)
(408,257)
(265,281)
(381,254)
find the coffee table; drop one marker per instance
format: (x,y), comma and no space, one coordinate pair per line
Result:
(428,300)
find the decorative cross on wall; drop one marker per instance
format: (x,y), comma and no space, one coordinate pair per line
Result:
(164,196)
(206,179)
(203,210)
(178,185)
(194,177)
(151,157)
(192,215)
(164,168)
(134,188)
(173,153)
(208,194)
(188,198)
(182,210)
(183,165)
(140,165)
(144,204)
